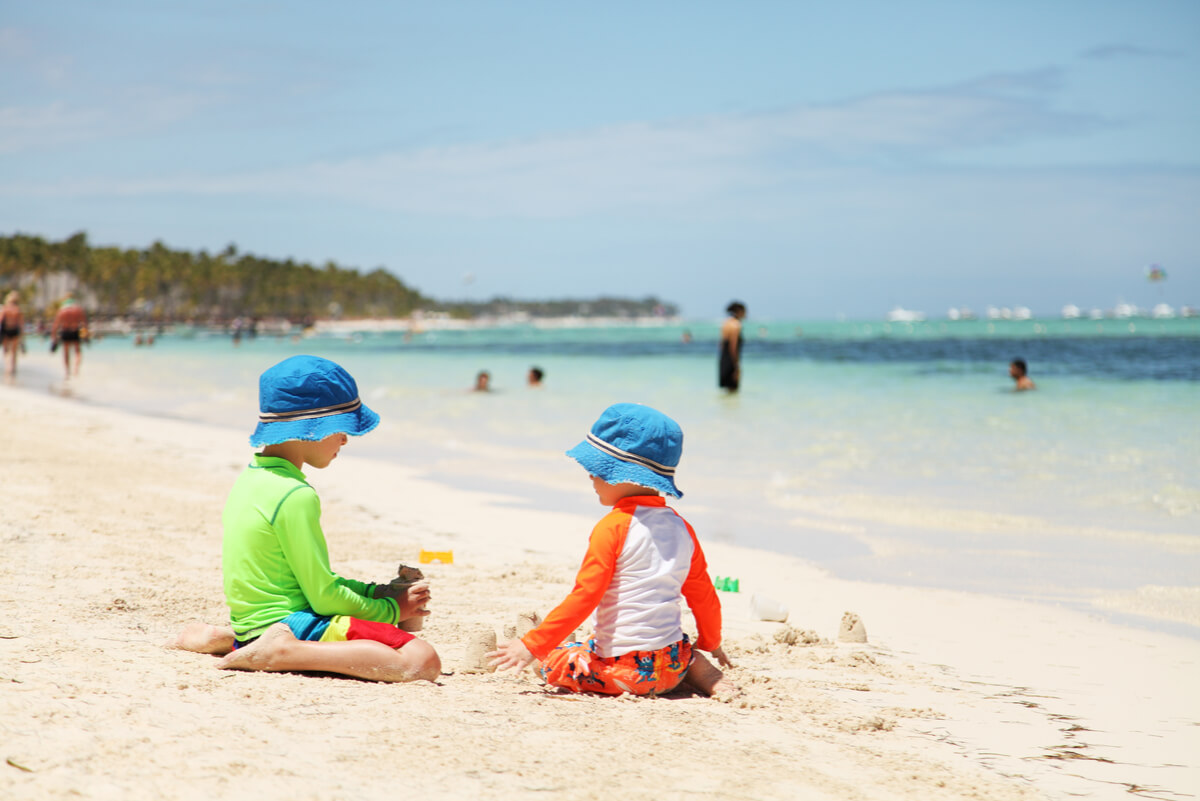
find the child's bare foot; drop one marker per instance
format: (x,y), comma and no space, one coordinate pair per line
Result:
(705,677)
(263,653)
(203,638)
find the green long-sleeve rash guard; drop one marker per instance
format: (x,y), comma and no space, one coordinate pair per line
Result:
(274,556)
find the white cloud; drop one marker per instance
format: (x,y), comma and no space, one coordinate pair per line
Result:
(1110,52)
(642,165)
(14,43)
(633,166)
(25,127)
(138,111)
(31,66)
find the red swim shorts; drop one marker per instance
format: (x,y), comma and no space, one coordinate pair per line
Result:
(576,666)
(307,625)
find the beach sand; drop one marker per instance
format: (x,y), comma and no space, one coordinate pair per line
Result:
(111,541)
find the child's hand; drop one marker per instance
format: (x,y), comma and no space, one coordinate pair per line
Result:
(719,655)
(411,598)
(512,654)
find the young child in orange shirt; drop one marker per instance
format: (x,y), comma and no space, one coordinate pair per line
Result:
(642,559)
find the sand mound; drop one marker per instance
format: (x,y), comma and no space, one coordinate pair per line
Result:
(526,622)
(852,629)
(792,636)
(479,644)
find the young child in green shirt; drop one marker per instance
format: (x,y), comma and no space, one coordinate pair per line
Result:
(288,610)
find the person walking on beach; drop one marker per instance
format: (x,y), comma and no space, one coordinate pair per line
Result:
(288,610)
(729,367)
(642,559)
(68,330)
(1020,373)
(12,327)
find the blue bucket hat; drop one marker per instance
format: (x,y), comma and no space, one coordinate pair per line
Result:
(634,444)
(308,398)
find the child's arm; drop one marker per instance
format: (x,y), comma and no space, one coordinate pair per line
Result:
(591,582)
(298,526)
(703,601)
(398,588)
(411,596)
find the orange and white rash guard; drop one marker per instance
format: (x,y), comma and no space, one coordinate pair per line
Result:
(641,559)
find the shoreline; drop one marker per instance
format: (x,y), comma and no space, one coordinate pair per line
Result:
(112,521)
(1037,327)
(1152,600)
(1164,607)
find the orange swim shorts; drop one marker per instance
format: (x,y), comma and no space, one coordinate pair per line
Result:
(576,666)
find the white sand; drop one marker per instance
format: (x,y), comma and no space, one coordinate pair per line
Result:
(111,541)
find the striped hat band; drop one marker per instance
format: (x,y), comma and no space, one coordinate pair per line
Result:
(310,414)
(626,456)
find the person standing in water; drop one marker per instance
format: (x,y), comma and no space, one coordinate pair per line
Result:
(729,371)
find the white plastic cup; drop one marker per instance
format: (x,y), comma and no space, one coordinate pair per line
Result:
(764,608)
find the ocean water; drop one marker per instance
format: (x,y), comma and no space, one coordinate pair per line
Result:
(894,453)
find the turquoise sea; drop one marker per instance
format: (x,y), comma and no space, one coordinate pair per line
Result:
(883,452)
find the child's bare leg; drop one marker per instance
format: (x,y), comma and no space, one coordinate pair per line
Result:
(705,677)
(278,650)
(204,638)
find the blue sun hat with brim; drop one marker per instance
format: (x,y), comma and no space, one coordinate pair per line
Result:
(308,398)
(634,444)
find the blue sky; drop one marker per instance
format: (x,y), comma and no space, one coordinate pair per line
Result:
(810,158)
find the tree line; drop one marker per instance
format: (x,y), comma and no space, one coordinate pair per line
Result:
(612,307)
(159,284)
(162,284)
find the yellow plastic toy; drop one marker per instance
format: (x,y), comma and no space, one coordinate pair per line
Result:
(445,557)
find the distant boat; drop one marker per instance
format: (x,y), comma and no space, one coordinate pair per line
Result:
(961,313)
(1022,313)
(1162,312)
(899,315)
(1070,312)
